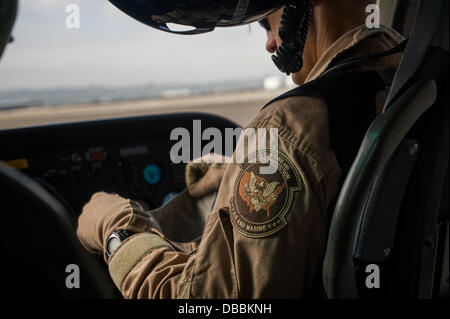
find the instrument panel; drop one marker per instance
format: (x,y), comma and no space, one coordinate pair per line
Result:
(130,157)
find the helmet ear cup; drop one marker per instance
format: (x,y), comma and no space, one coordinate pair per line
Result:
(295,23)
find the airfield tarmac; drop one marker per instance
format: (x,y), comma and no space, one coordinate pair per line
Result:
(240,107)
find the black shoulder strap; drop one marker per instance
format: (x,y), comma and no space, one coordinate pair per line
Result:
(351,100)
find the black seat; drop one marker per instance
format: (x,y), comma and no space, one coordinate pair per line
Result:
(392,211)
(39,243)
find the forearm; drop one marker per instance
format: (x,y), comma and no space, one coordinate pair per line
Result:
(145,266)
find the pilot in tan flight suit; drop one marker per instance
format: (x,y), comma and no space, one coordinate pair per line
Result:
(266,234)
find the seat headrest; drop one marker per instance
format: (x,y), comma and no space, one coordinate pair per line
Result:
(430,30)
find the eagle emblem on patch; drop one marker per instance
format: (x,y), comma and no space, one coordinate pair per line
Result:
(261,201)
(258,193)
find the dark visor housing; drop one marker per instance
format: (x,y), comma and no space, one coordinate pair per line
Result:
(201,15)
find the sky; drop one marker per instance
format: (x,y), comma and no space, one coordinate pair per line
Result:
(112,49)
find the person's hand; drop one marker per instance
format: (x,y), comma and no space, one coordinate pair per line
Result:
(106,213)
(205,176)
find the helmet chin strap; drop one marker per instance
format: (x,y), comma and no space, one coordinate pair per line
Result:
(295,23)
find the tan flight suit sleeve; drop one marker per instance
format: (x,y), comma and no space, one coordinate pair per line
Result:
(266,235)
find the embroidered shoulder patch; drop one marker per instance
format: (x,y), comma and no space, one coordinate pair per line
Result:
(261,201)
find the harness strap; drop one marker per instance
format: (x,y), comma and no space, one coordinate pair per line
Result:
(350,96)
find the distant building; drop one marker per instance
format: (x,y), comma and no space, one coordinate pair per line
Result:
(273,82)
(278,82)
